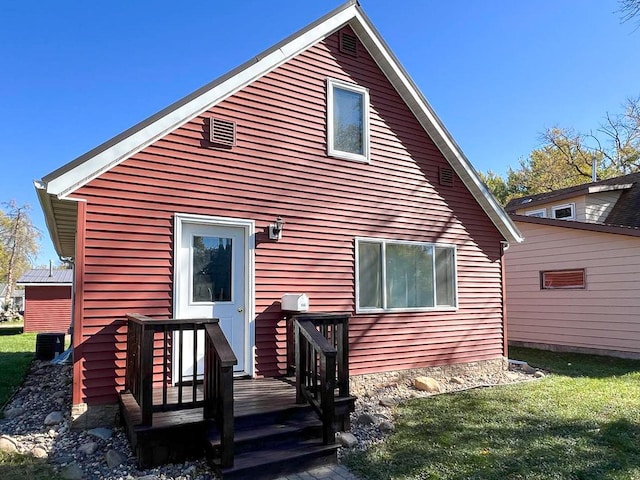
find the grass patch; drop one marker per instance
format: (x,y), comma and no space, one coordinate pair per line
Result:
(580,422)
(22,467)
(16,354)
(17,351)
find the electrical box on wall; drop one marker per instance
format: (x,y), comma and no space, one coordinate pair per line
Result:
(295,302)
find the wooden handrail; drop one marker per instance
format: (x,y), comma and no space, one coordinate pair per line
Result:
(218,388)
(151,339)
(322,364)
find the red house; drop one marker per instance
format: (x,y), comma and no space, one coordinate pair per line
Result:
(317,167)
(47,300)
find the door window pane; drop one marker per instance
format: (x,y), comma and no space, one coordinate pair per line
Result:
(369,275)
(211,269)
(409,275)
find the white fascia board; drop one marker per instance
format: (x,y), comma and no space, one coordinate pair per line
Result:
(45,284)
(49,218)
(79,176)
(426,116)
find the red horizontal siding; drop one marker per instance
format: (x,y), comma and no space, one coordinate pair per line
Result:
(279,166)
(47,309)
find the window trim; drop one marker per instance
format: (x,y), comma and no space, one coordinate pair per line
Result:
(535,213)
(572,206)
(383,242)
(564,270)
(331,151)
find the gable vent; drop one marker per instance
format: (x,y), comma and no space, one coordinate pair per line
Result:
(222,132)
(446,176)
(348,44)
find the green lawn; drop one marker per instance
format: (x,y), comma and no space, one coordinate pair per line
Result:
(580,422)
(16,354)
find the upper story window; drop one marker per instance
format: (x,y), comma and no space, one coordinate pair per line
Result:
(347,121)
(399,276)
(537,213)
(564,212)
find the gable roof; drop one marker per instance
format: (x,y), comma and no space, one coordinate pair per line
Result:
(625,213)
(55,190)
(45,276)
(572,224)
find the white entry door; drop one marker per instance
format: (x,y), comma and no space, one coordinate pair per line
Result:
(211,282)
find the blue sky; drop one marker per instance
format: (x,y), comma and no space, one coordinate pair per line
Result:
(498,72)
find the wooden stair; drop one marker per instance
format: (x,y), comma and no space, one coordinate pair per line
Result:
(273,435)
(273,444)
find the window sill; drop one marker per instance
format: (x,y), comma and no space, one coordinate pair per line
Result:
(405,310)
(348,156)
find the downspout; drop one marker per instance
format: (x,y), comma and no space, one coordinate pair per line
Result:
(505,343)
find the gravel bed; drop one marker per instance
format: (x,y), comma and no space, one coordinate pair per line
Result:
(37,422)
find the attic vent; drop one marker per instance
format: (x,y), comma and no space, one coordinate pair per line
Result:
(446,176)
(222,132)
(348,44)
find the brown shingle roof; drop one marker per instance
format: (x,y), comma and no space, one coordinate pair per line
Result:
(626,211)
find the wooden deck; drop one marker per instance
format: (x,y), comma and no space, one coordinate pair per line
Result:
(251,397)
(247,428)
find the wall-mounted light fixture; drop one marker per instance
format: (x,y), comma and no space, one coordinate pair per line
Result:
(275,229)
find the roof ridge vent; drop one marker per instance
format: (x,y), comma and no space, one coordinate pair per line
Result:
(222,132)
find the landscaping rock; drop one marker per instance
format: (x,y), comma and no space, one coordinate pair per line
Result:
(13,412)
(102,433)
(386,427)
(114,458)
(427,384)
(8,444)
(366,419)
(457,380)
(72,472)
(38,452)
(347,439)
(88,448)
(387,402)
(538,374)
(53,418)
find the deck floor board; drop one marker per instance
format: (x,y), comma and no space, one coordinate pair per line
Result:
(250,397)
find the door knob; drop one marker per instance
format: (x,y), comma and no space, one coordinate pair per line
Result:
(240,309)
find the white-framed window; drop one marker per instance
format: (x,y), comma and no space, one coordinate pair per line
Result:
(537,213)
(393,275)
(347,121)
(564,212)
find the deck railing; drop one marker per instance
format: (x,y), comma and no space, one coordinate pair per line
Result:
(156,352)
(322,364)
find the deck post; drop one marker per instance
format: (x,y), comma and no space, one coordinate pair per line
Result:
(225,396)
(327,399)
(146,375)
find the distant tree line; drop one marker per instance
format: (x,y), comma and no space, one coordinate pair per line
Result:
(567,157)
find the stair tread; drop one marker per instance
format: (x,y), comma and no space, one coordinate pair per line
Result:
(271,454)
(252,433)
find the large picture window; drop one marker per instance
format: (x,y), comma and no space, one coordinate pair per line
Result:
(347,121)
(394,275)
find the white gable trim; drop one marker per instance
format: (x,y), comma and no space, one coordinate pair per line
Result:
(94,166)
